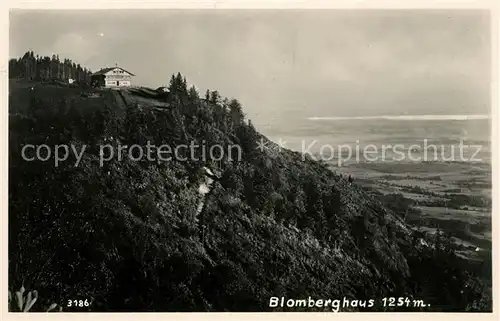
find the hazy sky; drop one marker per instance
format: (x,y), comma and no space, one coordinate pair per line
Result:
(283,64)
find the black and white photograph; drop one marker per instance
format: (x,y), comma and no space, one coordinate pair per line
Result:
(227,160)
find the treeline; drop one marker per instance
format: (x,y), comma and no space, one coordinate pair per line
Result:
(45,68)
(458,201)
(212,111)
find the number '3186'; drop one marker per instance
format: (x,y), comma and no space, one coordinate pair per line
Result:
(78,303)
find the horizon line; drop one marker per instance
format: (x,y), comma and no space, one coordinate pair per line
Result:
(405,117)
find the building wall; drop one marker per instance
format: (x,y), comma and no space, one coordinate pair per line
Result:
(118,78)
(117,82)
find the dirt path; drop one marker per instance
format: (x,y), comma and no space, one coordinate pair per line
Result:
(124,97)
(120,100)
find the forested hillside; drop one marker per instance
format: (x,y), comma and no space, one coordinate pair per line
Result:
(35,67)
(127,236)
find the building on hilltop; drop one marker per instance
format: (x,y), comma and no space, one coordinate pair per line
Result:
(112,77)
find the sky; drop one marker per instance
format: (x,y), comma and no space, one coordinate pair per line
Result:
(284,64)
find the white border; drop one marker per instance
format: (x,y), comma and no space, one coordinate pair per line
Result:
(233,4)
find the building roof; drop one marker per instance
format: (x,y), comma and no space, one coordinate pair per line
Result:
(104,71)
